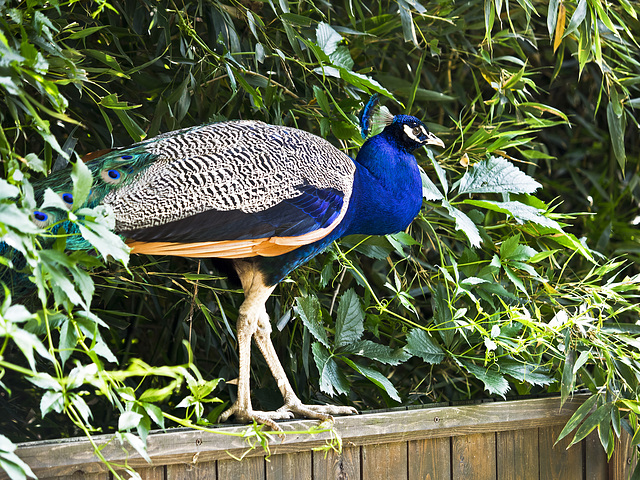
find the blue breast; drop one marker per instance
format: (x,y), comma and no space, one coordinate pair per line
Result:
(386,197)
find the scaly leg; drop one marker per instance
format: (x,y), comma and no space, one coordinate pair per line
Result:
(292,403)
(253,307)
(253,322)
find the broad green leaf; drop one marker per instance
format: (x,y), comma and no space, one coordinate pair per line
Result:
(420,344)
(429,189)
(377,352)
(350,319)
(465,224)
(519,211)
(332,380)
(128,420)
(526,372)
(327,38)
(494,382)
(377,378)
(496,175)
(308,309)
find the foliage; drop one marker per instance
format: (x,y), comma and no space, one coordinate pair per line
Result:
(519,276)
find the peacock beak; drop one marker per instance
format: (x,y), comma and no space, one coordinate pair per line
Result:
(433,140)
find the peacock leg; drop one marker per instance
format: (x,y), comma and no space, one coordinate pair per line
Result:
(250,312)
(292,403)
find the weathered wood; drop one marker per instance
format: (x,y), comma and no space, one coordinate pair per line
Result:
(151,473)
(473,457)
(430,459)
(384,461)
(251,468)
(81,476)
(191,471)
(558,462)
(337,466)
(622,461)
(292,466)
(517,454)
(179,446)
(595,461)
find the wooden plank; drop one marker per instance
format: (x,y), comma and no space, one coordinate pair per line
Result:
(337,466)
(251,468)
(558,462)
(622,461)
(193,471)
(595,461)
(430,459)
(517,454)
(81,476)
(178,446)
(291,466)
(151,473)
(473,457)
(384,461)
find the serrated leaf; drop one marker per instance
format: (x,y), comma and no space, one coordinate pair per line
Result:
(128,420)
(429,189)
(492,379)
(464,224)
(308,309)
(327,38)
(420,344)
(51,401)
(377,378)
(526,372)
(519,211)
(350,319)
(332,380)
(378,352)
(496,175)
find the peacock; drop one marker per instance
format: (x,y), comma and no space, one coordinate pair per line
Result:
(269,198)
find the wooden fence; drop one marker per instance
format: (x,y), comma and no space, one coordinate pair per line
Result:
(488,441)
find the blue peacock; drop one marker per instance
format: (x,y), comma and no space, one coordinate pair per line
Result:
(269,198)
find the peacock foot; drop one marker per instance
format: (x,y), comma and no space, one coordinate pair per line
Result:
(286,412)
(248,415)
(318,412)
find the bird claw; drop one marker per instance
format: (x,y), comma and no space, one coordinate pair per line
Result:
(286,412)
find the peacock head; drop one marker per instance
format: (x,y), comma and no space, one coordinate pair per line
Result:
(406,131)
(411,133)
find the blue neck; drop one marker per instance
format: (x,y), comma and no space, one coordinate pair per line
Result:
(387,191)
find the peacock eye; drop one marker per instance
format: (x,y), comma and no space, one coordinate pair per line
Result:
(111,176)
(67,198)
(41,219)
(417,131)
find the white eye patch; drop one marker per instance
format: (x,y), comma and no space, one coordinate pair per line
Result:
(409,132)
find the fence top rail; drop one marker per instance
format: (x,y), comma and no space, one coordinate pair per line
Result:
(186,446)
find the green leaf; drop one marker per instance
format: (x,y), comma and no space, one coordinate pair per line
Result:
(577,18)
(429,189)
(377,378)
(519,211)
(526,372)
(51,401)
(332,380)
(496,175)
(377,352)
(616,130)
(350,319)
(420,344)
(602,414)
(579,415)
(327,38)
(492,379)
(308,309)
(128,420)
(465,224)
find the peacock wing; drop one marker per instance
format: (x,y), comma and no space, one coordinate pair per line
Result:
(232,189)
